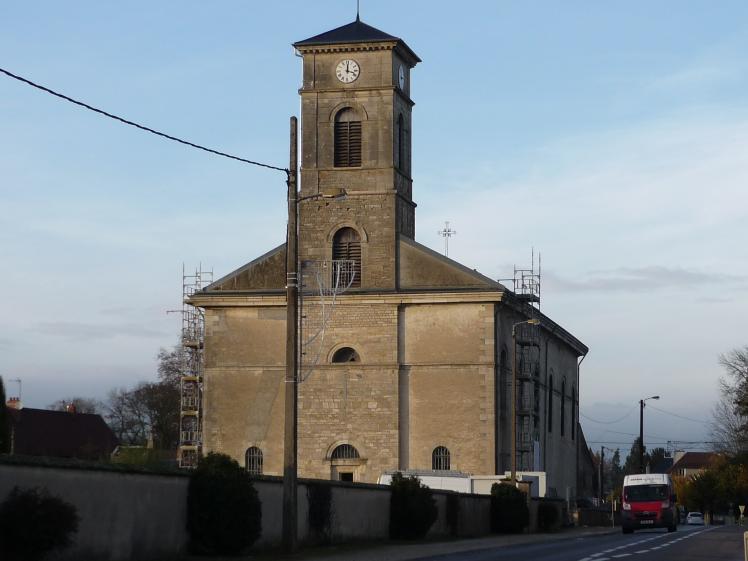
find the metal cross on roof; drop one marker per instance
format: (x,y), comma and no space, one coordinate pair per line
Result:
(446,233)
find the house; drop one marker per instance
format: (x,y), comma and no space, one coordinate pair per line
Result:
(60,434)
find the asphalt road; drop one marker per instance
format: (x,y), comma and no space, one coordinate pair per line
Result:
(689,543)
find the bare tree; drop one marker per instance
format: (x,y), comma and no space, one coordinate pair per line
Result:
(735,363)
(729,426)
(150,409)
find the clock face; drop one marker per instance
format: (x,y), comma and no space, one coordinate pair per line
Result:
(347,71)
(401,77)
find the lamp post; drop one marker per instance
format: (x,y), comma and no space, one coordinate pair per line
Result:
(290,429)
(641,430)
(514,395)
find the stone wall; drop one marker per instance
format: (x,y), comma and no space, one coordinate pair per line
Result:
(135,516)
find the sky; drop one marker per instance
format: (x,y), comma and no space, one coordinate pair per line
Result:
(610,137)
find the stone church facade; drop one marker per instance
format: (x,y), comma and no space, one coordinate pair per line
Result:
(414,368)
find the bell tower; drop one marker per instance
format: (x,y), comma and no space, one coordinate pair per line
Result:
(356,122)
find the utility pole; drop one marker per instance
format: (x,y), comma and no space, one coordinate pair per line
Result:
(600,473)
(641,431)
(290,434)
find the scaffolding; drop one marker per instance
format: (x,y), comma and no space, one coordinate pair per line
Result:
(527,290)
(192,368)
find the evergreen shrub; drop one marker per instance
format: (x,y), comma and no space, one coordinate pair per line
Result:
(224,513)
(548,517)
(319,497)
(412,508)
(509,512)
(453,513)
(34,523)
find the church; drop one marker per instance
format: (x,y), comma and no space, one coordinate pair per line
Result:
(406,355)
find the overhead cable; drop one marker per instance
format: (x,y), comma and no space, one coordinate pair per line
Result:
(608,422)
(136,125)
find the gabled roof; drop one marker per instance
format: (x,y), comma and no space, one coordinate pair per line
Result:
(694,460)
(39,432)
(355,32)
(422,268)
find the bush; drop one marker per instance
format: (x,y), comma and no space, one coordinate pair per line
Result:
(224,514)
(453,514)
(548,517)
(412,508)
(319,496)
(509,512)
(33,523)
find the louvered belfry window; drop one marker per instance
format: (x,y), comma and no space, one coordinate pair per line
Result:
(347,245)
(347,139)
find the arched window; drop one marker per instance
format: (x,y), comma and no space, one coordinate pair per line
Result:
(345,354)
(440,458)
(253,460)
(550,403)
(347,139)
(563,405)
(400,144)
(345,452)
(573,410)
(346,244)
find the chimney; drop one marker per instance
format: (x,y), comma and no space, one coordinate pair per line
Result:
(14,403)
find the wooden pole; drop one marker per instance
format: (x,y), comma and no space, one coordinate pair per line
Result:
(290,503)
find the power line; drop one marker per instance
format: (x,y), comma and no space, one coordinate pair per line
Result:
(609,422)
(701,422)
(136,125)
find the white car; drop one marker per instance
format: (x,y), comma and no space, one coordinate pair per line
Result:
(695,518)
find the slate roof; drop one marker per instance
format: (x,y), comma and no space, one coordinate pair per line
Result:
(39,432)
(355,32)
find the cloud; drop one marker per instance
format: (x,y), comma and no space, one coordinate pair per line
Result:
(644,279)
(94,331)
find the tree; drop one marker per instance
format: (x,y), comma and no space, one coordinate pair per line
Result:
(632,460)
(224,512)
(81,405)
(730,415)
(728,425)
(655,459)
(150,409)
(4,422)
(614,473)
(736,364)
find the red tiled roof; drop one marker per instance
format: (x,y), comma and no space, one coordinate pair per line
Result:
(39,432)
(694,460)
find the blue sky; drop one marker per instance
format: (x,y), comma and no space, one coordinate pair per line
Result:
(609,136)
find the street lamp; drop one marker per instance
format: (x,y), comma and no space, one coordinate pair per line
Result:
(290,432)
(514,395)
(641,430)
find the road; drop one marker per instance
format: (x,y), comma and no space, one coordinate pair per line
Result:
(689,543)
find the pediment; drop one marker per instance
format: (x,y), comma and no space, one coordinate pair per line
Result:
(267,272)
(422,268)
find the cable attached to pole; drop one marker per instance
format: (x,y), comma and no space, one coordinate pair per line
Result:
(136,125)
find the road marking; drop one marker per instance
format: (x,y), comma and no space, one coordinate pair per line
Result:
(642,551)
(621,555)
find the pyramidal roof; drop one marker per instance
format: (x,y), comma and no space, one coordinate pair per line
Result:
(355,32)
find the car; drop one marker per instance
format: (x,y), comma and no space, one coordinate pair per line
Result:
(695,518)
